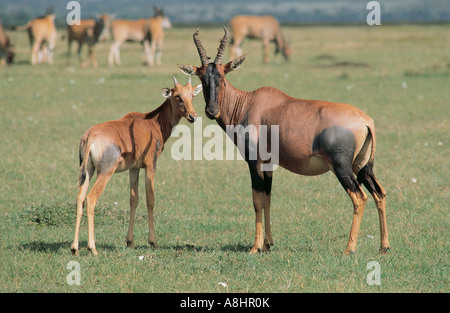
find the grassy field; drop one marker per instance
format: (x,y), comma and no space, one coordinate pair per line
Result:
(399,75)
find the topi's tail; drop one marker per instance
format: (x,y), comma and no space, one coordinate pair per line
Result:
(84,159)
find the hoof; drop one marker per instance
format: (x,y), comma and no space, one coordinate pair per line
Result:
(154,245)
(130,244)
(348,252)
(93,251)
(264,249)
(384,250)
(74,249)
(255,250)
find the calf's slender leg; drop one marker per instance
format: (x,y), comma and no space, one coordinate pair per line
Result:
(80,199)
(149,179)
(134,199)
(83,189)
(94,194)
(105,169)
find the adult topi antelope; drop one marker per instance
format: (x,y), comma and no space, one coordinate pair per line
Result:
(265,28)
(133,142)
(313,137)
(42,36)
(149,32)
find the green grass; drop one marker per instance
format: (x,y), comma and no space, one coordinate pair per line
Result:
(398,75)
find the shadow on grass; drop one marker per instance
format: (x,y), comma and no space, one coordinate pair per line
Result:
(56,247)
(236,248)
(226,248)
(192,248)
(53,247)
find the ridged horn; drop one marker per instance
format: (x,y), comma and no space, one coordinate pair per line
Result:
(222,46)
(175,82)
(200,49)
(189,80)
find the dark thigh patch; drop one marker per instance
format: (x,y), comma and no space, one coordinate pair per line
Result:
(110,158)
(339,144)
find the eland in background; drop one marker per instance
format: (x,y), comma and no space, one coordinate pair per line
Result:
(149,32)
(42,36)
(265,28)
(88,32)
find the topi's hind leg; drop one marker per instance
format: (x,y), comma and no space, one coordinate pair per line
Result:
(366,177)
(339,145)
(359,200)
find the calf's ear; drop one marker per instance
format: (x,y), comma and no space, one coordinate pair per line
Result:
(197,89)
(166,92)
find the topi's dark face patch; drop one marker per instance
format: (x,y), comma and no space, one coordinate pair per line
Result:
(211,87)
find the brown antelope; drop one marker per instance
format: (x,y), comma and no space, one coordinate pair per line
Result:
(149,32)
(133,142)
(90,32)
(313,137)
(265,28)
(6,48)
(42,35)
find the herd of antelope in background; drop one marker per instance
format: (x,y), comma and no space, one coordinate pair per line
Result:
(314,136)
(42,34)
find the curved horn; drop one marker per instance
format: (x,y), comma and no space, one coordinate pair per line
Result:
(175,82)
(200,49)
(222,46)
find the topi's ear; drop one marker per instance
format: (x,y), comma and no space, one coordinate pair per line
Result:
(188,69)
(197,89)
(234,64)
(166,92)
